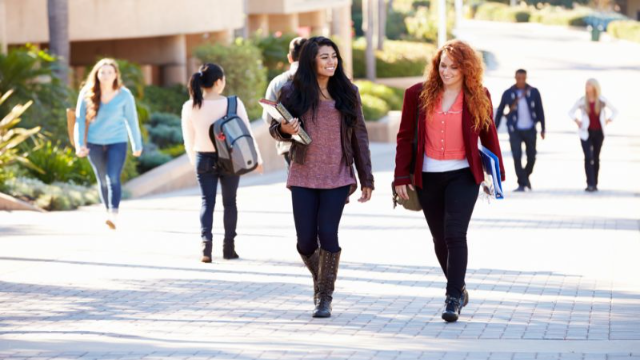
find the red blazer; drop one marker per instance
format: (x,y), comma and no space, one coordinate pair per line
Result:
(406,135)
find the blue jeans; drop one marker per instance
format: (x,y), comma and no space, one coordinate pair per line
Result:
(208,177)
(317,214)
(107,162)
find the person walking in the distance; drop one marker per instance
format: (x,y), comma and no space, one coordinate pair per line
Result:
(205,107)
(453,110)
(595,112)
(275,86)
(321,176)
(524,111)
(108,108)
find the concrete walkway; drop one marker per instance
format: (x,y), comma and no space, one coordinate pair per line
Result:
(553,274)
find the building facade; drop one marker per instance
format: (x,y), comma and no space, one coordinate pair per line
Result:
(161,35)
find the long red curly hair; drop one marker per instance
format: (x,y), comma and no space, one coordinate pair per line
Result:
(475,97)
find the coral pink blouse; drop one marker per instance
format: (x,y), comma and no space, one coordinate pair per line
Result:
(444,140)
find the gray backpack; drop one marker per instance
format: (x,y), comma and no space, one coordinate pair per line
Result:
(237,154)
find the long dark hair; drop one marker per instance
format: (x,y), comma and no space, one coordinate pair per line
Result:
(204,78)
(306,91)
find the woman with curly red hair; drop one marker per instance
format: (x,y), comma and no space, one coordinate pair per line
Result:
(437,152)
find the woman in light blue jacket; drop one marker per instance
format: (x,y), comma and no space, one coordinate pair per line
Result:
(592,113)
(106,118)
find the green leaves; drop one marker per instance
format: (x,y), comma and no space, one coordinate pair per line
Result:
(11,137)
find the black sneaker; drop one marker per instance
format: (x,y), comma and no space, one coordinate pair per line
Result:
(519,189)
(452,309)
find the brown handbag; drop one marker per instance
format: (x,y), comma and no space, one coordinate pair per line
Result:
(71,123)
(413,203)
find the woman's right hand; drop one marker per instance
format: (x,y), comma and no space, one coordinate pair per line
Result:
(579,123)
(291,128)
(82,151)
(401,190)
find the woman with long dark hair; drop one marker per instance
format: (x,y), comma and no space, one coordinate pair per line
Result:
(205,107)
(108,108)
(453,110)
(327,105)
(594,113)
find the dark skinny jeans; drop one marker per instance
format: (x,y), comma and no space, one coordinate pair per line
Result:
(317,214)
(516,138)
(591,148)
(448,199)
(208,177)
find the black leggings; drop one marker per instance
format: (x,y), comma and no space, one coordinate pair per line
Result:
(591,148)
(448,199)
(317,214)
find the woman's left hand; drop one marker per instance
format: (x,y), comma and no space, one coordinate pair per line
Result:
(366,195)
(608,122)
(137,153)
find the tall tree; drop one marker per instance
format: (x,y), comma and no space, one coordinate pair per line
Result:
(369,27)
(382,24)
(58,14)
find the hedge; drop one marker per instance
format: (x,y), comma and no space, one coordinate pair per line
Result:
(625,29)
(56,196)
(398,59)
(549,15)
(373,108)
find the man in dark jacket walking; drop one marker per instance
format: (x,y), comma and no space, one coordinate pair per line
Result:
(524,110)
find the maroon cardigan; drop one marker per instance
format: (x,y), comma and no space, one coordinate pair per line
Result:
(406,135)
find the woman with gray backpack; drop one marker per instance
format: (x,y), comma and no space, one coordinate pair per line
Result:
(212,126)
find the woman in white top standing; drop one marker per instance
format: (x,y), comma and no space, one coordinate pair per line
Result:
(205,107)
(594,113)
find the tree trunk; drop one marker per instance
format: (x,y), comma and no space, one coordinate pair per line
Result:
(382,23)
(369,26)
(58,13)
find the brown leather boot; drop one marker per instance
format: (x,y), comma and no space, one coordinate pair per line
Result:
(326,282)
(312,262)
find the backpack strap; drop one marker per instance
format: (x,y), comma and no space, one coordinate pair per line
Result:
(232,106)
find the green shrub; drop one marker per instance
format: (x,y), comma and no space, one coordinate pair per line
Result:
(490,11)
(396,28)
(164,129)
(165,99)
(60,164)
(398,59)
(627,30)
(151,158)
(28,72)
(274,53)
(56,196)
(245,74)
(385,93)
(373,108)
(522,16)
(12,137)
(423,26)
(556,15)
(173,151)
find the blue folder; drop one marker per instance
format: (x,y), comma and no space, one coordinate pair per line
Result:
(491,167)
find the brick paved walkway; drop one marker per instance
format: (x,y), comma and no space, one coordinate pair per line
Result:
(553,274)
